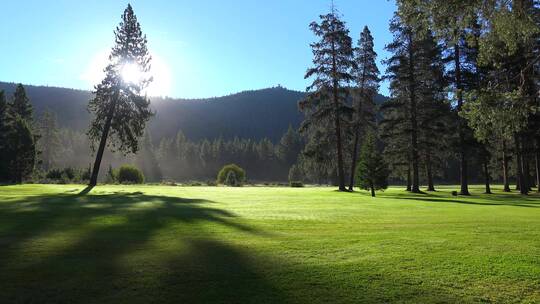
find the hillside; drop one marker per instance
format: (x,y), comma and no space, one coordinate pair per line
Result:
(250,114)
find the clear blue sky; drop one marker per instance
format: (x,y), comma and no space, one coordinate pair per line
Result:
(204,48)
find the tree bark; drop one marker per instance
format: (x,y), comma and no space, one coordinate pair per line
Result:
(102,144)
(505,169)
(429,174)
(409,184)
(519,169)
(486,176)
(341,176)
(463,174)
(537,163)
(354,160)
(414,124)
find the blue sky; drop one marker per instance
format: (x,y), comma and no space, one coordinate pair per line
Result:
(203,48)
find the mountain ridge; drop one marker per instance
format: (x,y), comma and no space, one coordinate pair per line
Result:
(251,114)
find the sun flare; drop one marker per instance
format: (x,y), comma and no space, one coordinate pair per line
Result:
(131,72)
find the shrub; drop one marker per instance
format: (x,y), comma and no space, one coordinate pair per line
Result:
(111,176)
(211,183)
(69,173)
(239,174)
(128,174)
(54,174)
(295,174)
(296,184)
(231,179)
(86,174)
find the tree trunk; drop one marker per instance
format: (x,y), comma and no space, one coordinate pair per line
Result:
(519,169)
(102,144)
(357,131)
(463,174)
(354,160)
(341,176)
(537,163)
(429,174)
(486,176)
(505,169)
(372,190)
(409,184)
(414,124)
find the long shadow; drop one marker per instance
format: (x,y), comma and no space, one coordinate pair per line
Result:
(516,200)
(116,263)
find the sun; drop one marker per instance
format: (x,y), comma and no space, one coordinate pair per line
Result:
(131,72)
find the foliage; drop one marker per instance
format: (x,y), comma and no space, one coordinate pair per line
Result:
(325,107)
(295,173)
(372,172)
(120,110)
(231,179)
(22,151)
(296,184)
(239,174)
(129,174)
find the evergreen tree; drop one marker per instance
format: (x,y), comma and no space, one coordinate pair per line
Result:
(120,111)
(366,76)
(20,105)
(372,172)
(290,146)
(414,124)
(22,151)
(49,141)
(4,129)
(333,60)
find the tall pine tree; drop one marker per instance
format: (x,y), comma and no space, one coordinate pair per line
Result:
(366,74)
(333,60)
(120,110)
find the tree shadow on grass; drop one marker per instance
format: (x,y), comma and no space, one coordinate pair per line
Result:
(515,200)
(38,266)
(115,256)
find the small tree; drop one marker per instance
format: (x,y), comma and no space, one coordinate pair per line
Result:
(372,172)
(295,173)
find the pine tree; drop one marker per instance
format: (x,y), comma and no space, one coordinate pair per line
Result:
(332,59)
(22,150)
(120,111)
(290,146)
(49,141)
(366,74)
(415,120)
(372,172)
(4,129)
(20,105)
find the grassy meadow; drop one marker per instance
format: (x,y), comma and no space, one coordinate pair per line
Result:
(157,244)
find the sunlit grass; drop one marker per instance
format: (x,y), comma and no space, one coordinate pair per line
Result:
(140,244)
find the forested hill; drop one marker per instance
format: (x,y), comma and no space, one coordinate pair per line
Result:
(250,114)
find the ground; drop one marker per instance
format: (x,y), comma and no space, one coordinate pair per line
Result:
(158,244)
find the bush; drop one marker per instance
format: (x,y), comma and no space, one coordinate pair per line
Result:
(54,174)
(111,176)
(296,184)
(128,174)
(86,174)
(295,174)
(231,179)
(239,174)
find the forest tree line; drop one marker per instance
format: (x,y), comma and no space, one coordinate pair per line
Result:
(463,81)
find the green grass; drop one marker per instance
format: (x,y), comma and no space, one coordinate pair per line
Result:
(155,244)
